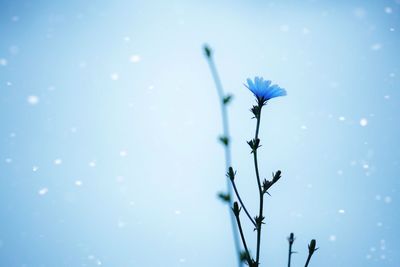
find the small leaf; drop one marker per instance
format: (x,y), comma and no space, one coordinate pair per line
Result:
(227,99)
(224,140)
(224,197)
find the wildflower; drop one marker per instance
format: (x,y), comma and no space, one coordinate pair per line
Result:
(263,90)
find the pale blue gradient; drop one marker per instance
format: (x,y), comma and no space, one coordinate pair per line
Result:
(144,147)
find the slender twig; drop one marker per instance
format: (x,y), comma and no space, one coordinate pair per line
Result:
(241,202)
(226,136)
(308,260)
(291,241)
(311,249)
(260,214)
(236,212)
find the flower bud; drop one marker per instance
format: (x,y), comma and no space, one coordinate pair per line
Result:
(207,50)
(311,247)
(236,209)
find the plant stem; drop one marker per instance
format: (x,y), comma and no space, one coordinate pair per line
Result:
(290,253)
(243,240)
(260,214)
(308,260)
(228,157)
(241,203)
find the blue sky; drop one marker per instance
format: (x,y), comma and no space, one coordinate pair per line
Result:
(109,123)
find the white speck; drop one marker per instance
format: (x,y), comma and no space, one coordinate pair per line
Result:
(379,224)
(309,185)
(376,46)
(57,161)
(340,172)
(35,168)
(135,58)
(177,212)
(127,39)
(98,262)
(388,10)
(12,135)
(9,83)
(284,28)
(363,122)
(391,29)
(78,183)
(392,74)
(123,153)
(92,163)
(341,118)
(120,179)
(341,211)
(3,62)
(303,127)
(43,191)
(91,257)
(182,260)
(378,197)
(114,76)
(73,129)
(8,160)
(386,96)
(365,166)
(372,249)
(33,100)
(388,199)
(332,238)
(121,224)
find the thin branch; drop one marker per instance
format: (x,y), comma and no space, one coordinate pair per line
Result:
(226,136)
(260,218)
(241,203)
(236,212)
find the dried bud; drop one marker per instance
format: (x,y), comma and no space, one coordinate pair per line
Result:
(227,99)
(311,247)
(254,144)
(224,140)
(231,173)
(256,111)
(291,238)
(225,197)
(236,209)
(276,176)
(266,185)
(207,51)
(245,257)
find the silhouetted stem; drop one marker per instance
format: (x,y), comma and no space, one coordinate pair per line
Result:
(243,239)
(227,150)
(308,260)
(290,253)
(241,203)
(260,214)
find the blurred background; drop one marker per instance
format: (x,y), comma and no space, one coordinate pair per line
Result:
(109,123)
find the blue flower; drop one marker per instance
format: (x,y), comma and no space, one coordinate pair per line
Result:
(263,90)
